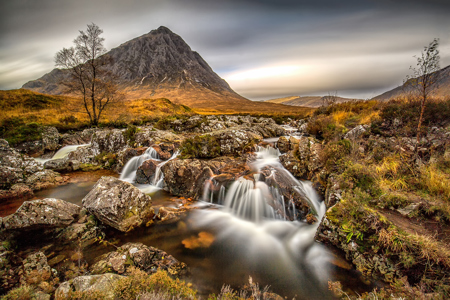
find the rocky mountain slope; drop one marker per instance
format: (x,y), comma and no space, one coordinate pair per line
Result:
(441,88)
(306,101)
(154,65)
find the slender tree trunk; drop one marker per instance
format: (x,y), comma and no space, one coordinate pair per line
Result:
(422,110)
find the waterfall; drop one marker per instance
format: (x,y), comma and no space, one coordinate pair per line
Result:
(158,179)
(252,229)
(129,170)
(61,153)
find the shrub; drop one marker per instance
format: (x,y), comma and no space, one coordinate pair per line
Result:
(139,282)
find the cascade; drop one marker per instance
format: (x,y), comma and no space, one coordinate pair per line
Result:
(251,227)
(129,170)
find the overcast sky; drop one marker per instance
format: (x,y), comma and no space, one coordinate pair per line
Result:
(263,48)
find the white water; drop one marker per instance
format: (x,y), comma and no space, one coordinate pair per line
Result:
(129,170)
(61,153)
(251,233)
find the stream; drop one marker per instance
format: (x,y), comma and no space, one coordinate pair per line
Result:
(233,233)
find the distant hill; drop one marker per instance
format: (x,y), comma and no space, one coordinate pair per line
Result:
(306,101)
(442,87)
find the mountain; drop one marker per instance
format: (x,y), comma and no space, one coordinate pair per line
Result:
(441,87)
(306,101)
(154,65)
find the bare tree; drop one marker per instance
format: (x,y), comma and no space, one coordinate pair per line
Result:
(89,76)
(424,78)
(330,99)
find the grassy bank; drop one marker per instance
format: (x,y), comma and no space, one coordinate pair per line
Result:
(395,196)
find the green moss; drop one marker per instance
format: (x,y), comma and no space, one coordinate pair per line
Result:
(15,131)
(200,146)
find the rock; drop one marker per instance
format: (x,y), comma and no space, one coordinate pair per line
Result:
(186,177)
(305,159)
(236,141)
(283,144)
(19,190)
(148,259)
(127,154)
(109,141)
(62,165)
(84,155)
(95,285)
(148,136)
(356,132)
(36,271)
(50,138)
(44,179)
(164,151)
(118,204)
(408,209)
(46,213)
(77,138)
(282,180)
(14,167)
(146,171)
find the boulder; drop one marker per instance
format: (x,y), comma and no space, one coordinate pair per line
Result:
(110,141)
(50,138)
(305,159)
(148,259)
(77,138)
(146,171)
(84,155)
(14,167)
(186,177)
(46,213)
(98,286)
(62,165)
(118,204)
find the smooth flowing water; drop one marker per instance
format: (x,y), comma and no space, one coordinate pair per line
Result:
(253,238)
(61,153)
(129,170)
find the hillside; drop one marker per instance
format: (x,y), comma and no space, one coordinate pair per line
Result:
(306,101)
(440,89)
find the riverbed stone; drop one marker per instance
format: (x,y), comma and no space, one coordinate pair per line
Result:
(44,179)
(39,214)
(118,204)
(62,165)
(146,171)
(186,177)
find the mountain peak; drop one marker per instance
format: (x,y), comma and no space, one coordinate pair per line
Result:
(162,30)
(159,63)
